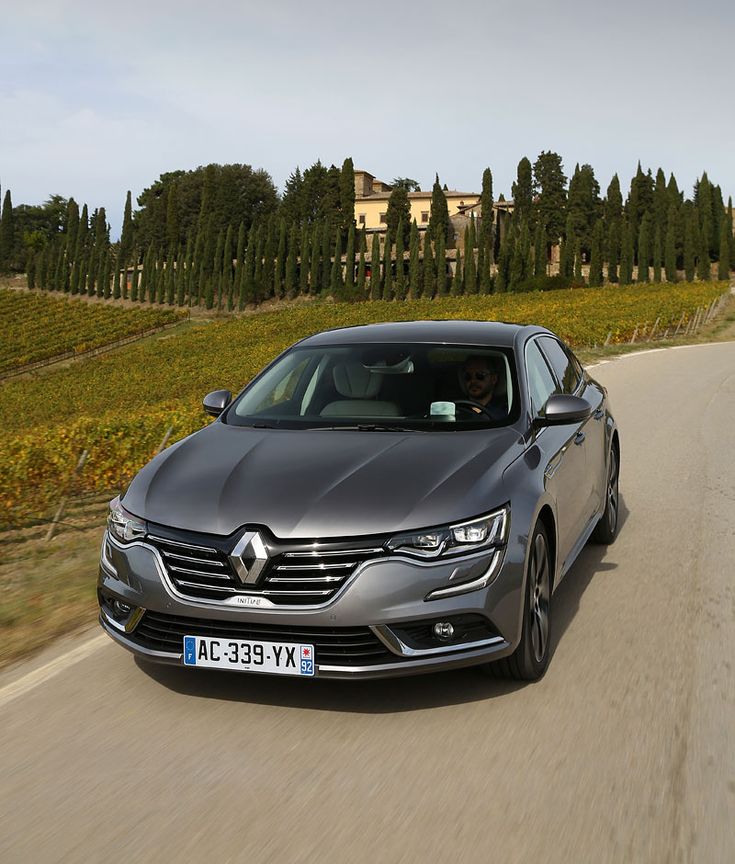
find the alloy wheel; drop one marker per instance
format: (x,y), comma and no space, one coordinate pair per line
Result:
(540,595)
(612,493)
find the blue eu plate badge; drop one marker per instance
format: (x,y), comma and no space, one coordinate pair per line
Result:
(190,651)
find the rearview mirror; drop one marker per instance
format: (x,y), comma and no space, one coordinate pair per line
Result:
(562,408)
(215,402)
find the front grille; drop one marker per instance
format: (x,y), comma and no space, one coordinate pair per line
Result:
(300,577)
(337,646)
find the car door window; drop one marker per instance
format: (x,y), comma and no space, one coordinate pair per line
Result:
(541,382)
(568,374)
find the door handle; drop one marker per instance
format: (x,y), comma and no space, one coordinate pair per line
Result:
(579,437)
(599,414)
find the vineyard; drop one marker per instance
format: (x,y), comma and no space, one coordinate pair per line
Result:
(38,327)
(119,406)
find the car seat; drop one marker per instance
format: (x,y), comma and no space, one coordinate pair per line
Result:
(358,386)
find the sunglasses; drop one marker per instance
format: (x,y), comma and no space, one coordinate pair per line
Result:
(477,376)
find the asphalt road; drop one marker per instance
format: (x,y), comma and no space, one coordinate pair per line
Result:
(624,752)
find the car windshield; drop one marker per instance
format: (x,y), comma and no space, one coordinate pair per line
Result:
(415,387)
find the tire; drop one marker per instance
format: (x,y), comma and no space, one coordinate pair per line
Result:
(606,529)
(531,657)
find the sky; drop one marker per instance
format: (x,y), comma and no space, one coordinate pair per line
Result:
(98,99)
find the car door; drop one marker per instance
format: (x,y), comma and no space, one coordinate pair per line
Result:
(590,436)
(563,451)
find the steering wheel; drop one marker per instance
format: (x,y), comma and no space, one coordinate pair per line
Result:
(470,405)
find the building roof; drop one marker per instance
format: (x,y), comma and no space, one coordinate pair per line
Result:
(451,193)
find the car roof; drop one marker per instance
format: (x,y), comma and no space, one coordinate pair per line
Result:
(452,332)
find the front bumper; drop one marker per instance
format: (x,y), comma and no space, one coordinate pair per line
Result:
(383,596)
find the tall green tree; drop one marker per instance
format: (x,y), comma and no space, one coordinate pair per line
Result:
(658,254)
(239,260)
(387,269)
(690,247)
(566,254)
(7,232)
(457,288)
(375,290)
(116,277)
(335,282)
(441,264)
(398,215)
(584,207)
(414,271)
(227,293)
(289,279)
(723,267)
(427,273)
(487,227)
(347,195)
(350,256)
(522,191)
(670,247)
(439,224)
(315,261)
(280,263)
(172,219)
(596,256)
(127,239)
(540,255)
(613,204)
(399,286)
(644,247)
(361,275)
(613,250)
(626,254)
(304,259)
(550,185)
(470,271)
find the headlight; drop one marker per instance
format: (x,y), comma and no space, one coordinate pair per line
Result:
(460,539)
(123,526)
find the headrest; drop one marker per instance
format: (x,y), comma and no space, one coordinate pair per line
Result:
(354,381)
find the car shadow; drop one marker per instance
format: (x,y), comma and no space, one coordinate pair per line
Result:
(381,696)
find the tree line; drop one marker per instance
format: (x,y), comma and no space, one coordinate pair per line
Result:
(220,236)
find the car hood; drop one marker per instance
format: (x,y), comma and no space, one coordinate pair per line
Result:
(313,484)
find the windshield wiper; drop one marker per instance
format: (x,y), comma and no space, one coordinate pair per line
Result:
(365,427)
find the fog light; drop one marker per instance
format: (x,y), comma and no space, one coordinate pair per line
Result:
(121,609)
(443,630)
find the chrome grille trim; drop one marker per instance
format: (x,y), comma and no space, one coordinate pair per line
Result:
(292,578)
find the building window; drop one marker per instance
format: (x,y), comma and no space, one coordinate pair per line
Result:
(424,215)
(383,218)
(361,218)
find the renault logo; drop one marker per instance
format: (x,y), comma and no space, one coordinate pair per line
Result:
(249,557)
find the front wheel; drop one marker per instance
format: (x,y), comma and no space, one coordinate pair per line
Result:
(607,528)
(530,659)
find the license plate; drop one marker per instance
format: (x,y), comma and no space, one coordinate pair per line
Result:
(276,658)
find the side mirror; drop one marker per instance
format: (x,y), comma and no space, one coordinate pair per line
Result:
(214,403)
(562,408)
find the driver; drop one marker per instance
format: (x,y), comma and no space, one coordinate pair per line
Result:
(478,379)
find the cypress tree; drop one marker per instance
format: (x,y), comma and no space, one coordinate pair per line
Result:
(505,254)
(43,267)
(399,289)
(723,268)
(208,292)
(439,224)
(7,232)
(398,215)
(626,254)
(75,275)
(515,276)
(361,276)
(347,203)
(578,277)
(170,278)
(414,272)
(350,254)
(270,250)
(596,256)
(161,273)
(487,232)
(217,268)
(457,282)
(441,265)
(315,262)
(387,269)
(116,277)
(613,250)
(690,247)
(134,281)
(172,220)
(239,263)
(326,268)
(428,286)
(540,256)
(280,264)
(644,247)
(126,235)
(257,292)
(375,291)
(470,270)
(566,255)
(246,287)
(335,282)
(522,191)
(31,269)
(180,275)
(289,281)
(72,225)
(670,249)
(305,249)
(227,269)
(658,254)
(106,275)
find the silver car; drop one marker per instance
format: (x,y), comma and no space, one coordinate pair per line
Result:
(380,500)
